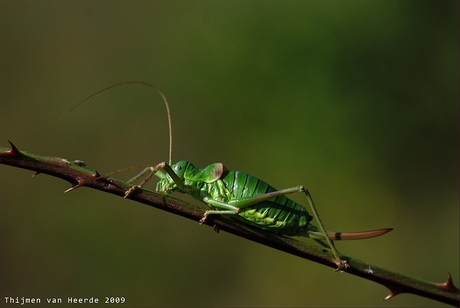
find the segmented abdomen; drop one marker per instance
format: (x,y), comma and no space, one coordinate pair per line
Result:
(278,214)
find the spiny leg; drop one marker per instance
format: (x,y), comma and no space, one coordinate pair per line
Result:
(140,175)
(151,172)
(228,209)
(341,264)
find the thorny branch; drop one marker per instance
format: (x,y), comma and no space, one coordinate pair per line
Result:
(77,175)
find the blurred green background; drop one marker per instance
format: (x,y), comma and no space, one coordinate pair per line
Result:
(357,100)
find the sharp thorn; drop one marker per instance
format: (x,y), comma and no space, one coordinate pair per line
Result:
(448,285)
(390,296)
(393,293)
(73,187)
(35,174)
(69,190)
(14,150)
(96,175)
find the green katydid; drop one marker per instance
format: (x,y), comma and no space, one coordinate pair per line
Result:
(240,195)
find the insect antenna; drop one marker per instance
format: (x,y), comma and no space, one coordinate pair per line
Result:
(145,84)
(127,168)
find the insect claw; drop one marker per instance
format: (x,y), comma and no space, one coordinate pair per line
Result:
(342,266)
(203,219)
(130,191)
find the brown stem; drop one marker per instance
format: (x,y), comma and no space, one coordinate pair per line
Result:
(77,175)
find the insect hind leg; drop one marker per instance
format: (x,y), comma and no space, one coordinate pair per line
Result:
(248,201)
(235,206)
(341,264)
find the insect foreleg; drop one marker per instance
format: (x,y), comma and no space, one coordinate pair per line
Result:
(151,172)
(143,173)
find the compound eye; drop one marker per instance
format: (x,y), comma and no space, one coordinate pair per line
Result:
(177,168)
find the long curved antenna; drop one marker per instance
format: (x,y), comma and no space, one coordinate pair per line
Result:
(145,84)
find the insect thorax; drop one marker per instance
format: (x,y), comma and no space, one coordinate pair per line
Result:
(166,185)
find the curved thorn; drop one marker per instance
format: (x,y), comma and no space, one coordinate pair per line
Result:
(14,150)
(74,187)
(96,175)
(35,174)
(393,292)
(449,284)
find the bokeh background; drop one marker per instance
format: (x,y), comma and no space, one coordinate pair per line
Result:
(357,100)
